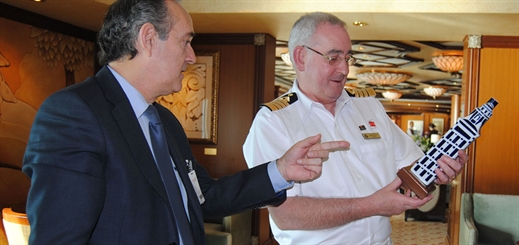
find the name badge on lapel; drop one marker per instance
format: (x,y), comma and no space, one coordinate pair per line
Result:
(194,181)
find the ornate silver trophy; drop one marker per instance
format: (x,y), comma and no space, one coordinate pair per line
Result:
(420,176)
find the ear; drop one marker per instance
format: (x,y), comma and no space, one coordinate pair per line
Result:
(299,58)
(146,39)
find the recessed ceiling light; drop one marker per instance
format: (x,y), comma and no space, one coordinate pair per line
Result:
(38,1)
(359,23)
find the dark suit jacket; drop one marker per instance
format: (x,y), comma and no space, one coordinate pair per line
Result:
(94,180)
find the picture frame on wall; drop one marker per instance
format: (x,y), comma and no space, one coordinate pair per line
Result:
(418,126)
(196,105)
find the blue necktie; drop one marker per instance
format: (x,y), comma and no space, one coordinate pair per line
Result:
(165,165)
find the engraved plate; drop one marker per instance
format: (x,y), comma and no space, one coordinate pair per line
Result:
(368,136)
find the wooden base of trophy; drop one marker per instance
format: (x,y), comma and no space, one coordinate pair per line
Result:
(410,182)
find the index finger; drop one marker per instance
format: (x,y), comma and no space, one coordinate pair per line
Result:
(332,145)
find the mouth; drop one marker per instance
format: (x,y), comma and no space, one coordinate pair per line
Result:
(338,80)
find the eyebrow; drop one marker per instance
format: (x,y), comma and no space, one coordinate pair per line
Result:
(189,35)
(336,51)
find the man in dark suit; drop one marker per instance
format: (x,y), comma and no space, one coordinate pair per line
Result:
(90,160)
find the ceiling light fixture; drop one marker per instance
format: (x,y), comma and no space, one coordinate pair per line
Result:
(383,77)
(434,91)
(450,61)
(392,94)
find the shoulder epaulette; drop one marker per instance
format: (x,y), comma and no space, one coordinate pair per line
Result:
(281,102)
(361,92)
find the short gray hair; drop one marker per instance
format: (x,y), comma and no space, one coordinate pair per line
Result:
(122,23)
(305,27)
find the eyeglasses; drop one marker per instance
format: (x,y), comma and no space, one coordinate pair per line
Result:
(335,60)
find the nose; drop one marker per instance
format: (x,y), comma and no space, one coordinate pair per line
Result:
(343,68)
(191,56)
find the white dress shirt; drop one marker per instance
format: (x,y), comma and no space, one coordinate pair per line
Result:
(366,167)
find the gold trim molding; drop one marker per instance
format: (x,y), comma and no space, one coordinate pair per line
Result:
(259,39)
(474,41)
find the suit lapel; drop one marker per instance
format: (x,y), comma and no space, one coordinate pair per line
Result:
(131,130)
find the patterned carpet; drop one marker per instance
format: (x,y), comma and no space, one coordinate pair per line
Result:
(418,232)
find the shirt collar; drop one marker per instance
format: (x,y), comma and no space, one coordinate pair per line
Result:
(308,103)
(137,101)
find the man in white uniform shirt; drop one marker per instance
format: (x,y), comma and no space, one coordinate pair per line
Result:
(358,190)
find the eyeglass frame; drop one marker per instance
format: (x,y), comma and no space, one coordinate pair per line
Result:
(351,61)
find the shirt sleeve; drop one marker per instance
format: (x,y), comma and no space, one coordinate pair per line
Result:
(267,139)
(278,182)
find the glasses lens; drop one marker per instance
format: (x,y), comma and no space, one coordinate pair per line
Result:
(351,61)
(334,60)
(337,60)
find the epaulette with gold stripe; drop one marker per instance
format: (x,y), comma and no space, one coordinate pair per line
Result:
(361,92)
(281,102)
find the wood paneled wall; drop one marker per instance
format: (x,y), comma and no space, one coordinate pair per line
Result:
(496,161)
(246,80)
(490,70)
(493,72)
